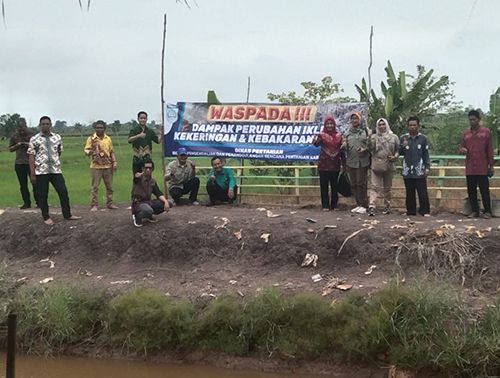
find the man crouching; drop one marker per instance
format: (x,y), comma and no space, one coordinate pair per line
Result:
(144,185)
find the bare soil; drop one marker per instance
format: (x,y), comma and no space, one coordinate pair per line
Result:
(191,253)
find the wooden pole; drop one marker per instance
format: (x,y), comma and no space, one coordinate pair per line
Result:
(243,160)
(162,139)
(10,368)
(370,66)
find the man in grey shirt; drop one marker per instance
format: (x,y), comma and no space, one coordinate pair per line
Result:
(181,178)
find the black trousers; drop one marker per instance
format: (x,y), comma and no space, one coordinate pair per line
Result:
(484,187)
(327,180)
(23,174)
(420,186)
(216,193)
(57,181)
(191,187)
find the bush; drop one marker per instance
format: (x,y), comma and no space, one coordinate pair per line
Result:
(54,317)
(223,327)
(146,320)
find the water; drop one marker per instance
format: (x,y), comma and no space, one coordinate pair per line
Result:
(38,367)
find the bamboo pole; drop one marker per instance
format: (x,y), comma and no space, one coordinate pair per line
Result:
(162,90)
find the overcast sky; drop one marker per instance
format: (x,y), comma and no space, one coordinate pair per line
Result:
(79,66)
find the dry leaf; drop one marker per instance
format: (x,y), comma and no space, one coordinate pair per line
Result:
(293,212)
(310,230)
(399,226)
(448,226)
(237,234)
(329,226)
(191,222)
(47,280)
(311,220)
(224,222)
(233,282)
(439,233)
(261,209)
(316,278)
(344,287)
(265,237)
(370,269)
(270,214)
(122,282)
(309,259)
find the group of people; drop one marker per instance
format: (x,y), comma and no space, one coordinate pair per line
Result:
(357,153)
(360,151)
(38,159)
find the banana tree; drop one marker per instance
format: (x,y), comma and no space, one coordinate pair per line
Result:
(425,95)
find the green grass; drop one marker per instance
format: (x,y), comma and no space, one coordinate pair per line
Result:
(76,171)
(420,327)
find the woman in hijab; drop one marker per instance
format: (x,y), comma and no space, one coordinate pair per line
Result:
(331,161)
(384,147)
(358,161)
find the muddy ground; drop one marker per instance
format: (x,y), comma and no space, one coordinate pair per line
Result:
(193,252)
(190,253)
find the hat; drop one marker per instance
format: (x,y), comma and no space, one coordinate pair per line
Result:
(181,151)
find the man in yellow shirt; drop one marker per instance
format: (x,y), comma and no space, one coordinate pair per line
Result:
(99,147)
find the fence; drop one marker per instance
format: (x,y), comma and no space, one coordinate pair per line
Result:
(299,184)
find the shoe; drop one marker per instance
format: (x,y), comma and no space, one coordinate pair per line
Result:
(325,209)
(371,211)
(210,203)
(473,215)
(151,220)
(411,214)
(48,222)
(93,208)
(195,203)
(355,210)
(137,223)
(486,215)
(112,207)
(386,211)
(73,217)
(24,207)
(361,210)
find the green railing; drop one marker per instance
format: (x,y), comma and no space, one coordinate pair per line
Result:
(300,183)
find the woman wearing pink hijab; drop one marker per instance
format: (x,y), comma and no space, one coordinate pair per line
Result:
(331,161)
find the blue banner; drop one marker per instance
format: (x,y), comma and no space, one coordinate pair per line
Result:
(251,131)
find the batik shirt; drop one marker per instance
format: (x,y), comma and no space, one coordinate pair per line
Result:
(415,151)
(100,150)
(143,146)
(46,149)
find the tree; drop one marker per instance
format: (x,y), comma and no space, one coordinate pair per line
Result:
(493,118)
(313,93)
(8,124)
(116,126)
(424,96)
(60,126)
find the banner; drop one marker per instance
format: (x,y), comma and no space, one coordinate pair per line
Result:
(251,131)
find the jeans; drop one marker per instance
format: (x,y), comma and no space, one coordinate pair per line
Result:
(57,181)
(216,193)
(23,174)
(328,179)
(192,186)
(484,187)
(420,186)
(147,209)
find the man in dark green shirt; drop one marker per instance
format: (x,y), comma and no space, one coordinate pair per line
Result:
(221,184)
(141,137)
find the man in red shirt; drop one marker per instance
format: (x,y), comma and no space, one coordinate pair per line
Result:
(477,147)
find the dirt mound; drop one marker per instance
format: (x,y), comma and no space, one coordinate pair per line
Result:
(194,251)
